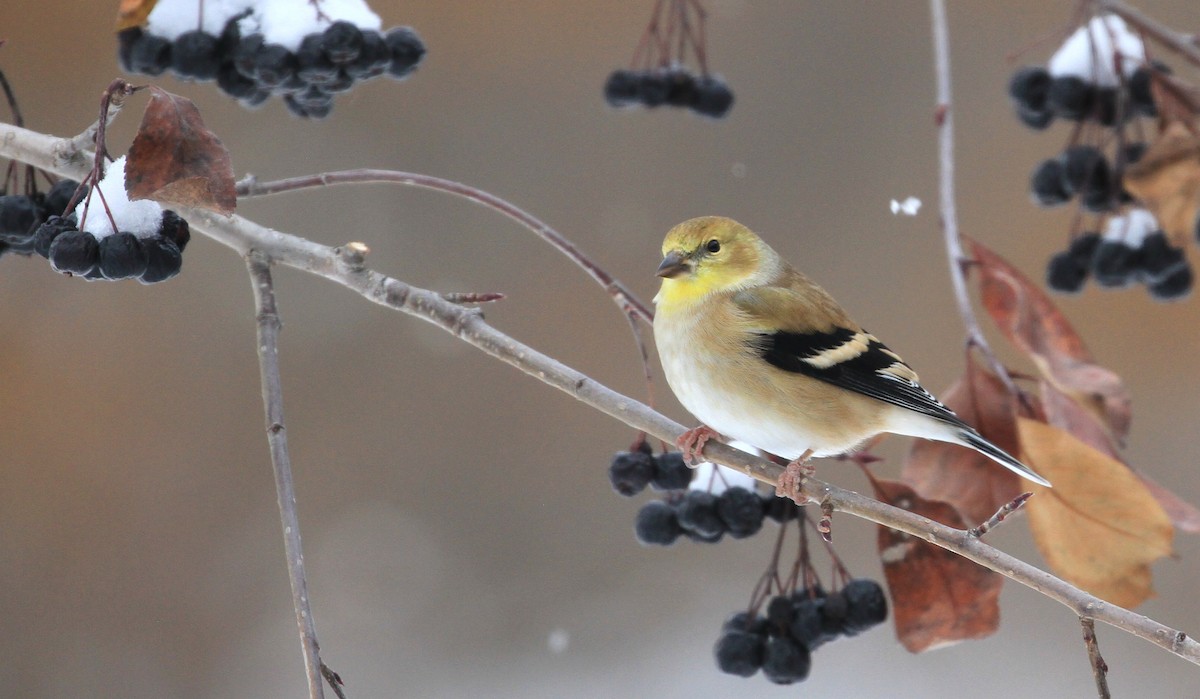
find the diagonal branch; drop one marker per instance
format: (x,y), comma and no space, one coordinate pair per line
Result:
(346,266)
(268,325)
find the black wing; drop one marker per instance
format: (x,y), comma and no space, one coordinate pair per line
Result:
(854,360)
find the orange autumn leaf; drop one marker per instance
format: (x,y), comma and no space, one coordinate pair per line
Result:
(974,484)
(133,13)
(175,159)
(1099,527)
(938,597)
(1031,321)
(1063,412)
(1167,180)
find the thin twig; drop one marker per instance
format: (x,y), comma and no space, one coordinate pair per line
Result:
(1001,514)
(954,250)
(1183,44)
(272,390)
(116,100)
(344,267)
(624,298)
(1099,667)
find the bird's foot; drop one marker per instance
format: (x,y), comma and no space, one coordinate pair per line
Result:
(691,443)
(793,475)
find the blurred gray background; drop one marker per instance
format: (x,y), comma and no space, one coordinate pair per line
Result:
(456,513)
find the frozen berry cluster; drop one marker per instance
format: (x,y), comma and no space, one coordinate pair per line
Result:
(1132,250)
(700,516)
(250,62)
(675,86)
(1083,172)
(149,257)
(1039,97)
(22,214)
(781,641)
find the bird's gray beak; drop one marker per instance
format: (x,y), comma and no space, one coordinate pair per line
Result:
(673,265)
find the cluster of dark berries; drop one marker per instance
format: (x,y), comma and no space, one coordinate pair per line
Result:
(700,516)
(251,69)
(1132,250)
(121,255)
(22,214)
(706,95)
(1039,97)
(1083,171)
(631,471)
(781,642)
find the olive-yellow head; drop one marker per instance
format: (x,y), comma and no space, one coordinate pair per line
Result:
(711,254)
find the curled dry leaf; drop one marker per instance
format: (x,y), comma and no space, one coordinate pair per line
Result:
(1099,527)
(175,159)
(133,13)
(1031,321)
(974,484)
(938,597)
(1167,180)
(1063,412)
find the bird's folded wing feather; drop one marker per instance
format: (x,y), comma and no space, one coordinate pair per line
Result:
(805,332)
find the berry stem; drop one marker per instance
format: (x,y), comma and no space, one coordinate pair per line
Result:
(946,197)
(1183,44)
(1099,667)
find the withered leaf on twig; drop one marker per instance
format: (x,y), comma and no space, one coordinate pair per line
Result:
(133,13)
(974,484)
(938,597)
(1031,321)
(1167,180)
(1098,527)
(1063,412)
(175,159)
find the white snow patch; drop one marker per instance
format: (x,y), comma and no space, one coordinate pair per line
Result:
(284,22)
(720,477)
(1089,52)
(141,218)
(1132,228)
(908,207)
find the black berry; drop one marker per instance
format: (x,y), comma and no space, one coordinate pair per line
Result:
(149,54)
(1036,120)
(244,56)
(1083,248)
(1084,170)
(48,231)
(653,87)
(1029,88)
(406,49)
(682,90)
(657,524)
(671,472)
(779,509)
(342,42)
(19,218)
(74,252)
(697,514)
(805,627)
(866,605)
(122,257)
(1065,274)
(234,84)
(1115,264)
(274,65)
(1070,97)
(833,614)
(739,652)
(1141,95)
(194,55)
(1174,287)
(312,64)
(59,196)
(1046,184)
(1159,259)
(630,472)
(175,229)
(741,511)
(713,97)
(622,88)
(785,661)
(780,611)
(163,260)
(373,59)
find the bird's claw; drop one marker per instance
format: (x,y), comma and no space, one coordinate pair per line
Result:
(793,475)
(691,443)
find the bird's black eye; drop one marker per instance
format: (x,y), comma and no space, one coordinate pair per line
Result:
(713,246)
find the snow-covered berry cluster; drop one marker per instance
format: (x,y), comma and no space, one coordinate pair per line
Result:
(1100,80)
(118,238)
(780,641)
(674,86)
(305,52)
(1132,250)
(22,214)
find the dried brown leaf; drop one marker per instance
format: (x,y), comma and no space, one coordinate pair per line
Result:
(974,484)
(1031,321)
(1167,180)
(133,13)
(1063,412)
(1099,527)
(175,159)
(938,597)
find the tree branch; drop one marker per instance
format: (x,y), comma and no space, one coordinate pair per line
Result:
(267,315)
(346,266)
(1099,667)
(1183,44)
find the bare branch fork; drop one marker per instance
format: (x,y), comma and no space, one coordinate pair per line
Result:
(345,265)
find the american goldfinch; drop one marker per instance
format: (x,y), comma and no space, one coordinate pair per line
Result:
(761,354)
